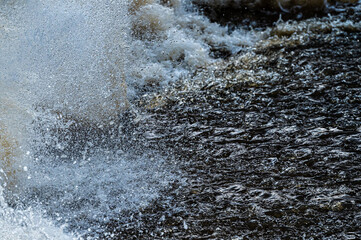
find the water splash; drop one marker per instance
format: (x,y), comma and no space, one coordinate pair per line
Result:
(65,58)
(26,224)
(81,62)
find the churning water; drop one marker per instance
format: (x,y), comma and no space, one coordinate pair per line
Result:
(70,71)
(73,62)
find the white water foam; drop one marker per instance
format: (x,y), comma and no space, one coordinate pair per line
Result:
(26,224)
(77,57)
(95,188)
(85,59)
(176,42)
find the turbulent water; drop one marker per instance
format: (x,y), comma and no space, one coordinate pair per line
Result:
(149,119)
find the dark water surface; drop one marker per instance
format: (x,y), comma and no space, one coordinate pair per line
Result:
(271,150)
(180,119)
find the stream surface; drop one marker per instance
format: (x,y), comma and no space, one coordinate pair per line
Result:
(211,122)
(271,146)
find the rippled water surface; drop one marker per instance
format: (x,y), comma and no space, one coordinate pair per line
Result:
(180,120)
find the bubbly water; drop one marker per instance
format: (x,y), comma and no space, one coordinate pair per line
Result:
(70,62)
(74,61)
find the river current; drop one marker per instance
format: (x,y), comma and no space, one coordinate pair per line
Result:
(152,119)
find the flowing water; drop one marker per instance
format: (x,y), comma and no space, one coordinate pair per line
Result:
(148,119)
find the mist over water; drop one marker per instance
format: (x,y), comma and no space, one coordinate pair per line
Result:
(70,72)
(75,62)
(64,54)
(66,59)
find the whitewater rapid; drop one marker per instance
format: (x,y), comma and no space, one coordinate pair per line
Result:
(82,62)
(68,71)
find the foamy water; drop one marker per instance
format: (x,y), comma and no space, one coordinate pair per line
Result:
(83,62)
(77,62)
(26,224)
